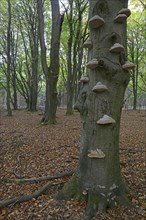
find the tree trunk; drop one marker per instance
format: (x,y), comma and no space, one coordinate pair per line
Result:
(9,60)
(51,72)
(98,174)
(34,77)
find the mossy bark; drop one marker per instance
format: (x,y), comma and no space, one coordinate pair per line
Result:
(100,177)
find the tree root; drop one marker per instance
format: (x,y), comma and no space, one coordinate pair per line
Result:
(95,202)
(37,179)
(24,198)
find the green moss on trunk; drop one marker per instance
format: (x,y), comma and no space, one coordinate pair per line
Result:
(70,190)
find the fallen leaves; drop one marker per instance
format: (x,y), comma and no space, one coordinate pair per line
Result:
(29,150)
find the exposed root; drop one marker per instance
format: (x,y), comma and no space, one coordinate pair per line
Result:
(95,202)
(24,198)
(36,179)
(69,190)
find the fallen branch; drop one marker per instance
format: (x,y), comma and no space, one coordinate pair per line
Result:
(24,198)
(37,179)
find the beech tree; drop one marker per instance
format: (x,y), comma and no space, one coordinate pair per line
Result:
(51,71)
(74,15)
(98,179)
(28,20)
(8,73)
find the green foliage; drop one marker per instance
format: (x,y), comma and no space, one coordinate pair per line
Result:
(136,46)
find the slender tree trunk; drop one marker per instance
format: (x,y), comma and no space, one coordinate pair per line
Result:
(98,178)
(74,51)
(9,60)
(34,78)
(14,74)
(70,86)
(15,103)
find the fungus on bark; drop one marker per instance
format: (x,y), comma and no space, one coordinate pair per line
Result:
(88,44)
(128,66)
(92,64)
(99,87)
(106,120)
(121,18)
(96,21)
(116,48)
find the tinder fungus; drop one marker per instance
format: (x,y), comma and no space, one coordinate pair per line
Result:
(116,48)
(125,11)
(84,79)
(96,154)
(121,18)
(96,21)
(106,120)
(92,64)
(99,87)
(87,44)
(128,66)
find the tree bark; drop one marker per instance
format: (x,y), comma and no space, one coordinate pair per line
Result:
(98,174)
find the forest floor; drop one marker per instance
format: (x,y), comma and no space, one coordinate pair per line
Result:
(30,150)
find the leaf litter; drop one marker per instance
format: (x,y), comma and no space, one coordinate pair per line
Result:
(30,150)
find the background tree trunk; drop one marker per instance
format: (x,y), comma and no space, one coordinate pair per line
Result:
(74,56)
(51,72)
(9,60)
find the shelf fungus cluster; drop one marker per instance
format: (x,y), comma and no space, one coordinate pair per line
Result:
(99,87)
(106,120)
(96,21)
(98,153)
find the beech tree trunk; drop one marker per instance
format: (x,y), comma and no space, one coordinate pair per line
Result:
(75,56)
(98,175)
(9,60)
(51,72)
(34,77)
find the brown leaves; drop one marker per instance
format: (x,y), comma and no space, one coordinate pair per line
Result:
(31,150)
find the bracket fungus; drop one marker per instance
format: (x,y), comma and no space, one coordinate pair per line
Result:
(121,18)
(125,11)
(84,79)
(128,66)
(96,21)
(116,48)
(99,87)
(106,120)
(96,154)
(87,44)
(92,64)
